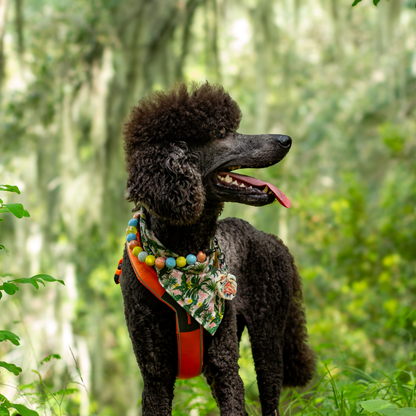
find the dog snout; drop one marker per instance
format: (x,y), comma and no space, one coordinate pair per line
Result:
(284,141)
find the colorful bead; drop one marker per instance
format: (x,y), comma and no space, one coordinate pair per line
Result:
(201,256)
(191,259)
(142,256)
(131,237)
(160,263)
(181,261)
(132,230)
(137,250)
(134,222)
(132,244)
(150,260)
(170,262)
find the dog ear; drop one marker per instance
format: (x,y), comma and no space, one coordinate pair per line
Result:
(165,180)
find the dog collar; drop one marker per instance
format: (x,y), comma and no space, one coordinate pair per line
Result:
(200,287)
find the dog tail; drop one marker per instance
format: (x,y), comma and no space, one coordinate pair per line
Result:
(299,360)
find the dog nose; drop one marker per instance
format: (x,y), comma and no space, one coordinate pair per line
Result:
(284,141)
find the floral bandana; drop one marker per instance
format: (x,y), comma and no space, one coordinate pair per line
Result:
(200,288)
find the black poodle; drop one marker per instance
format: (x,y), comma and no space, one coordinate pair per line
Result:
(181,146)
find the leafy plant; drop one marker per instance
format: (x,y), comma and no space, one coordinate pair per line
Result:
(10,287)
(375,2)
(351,392)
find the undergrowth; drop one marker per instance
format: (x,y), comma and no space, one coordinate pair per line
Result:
(340,391)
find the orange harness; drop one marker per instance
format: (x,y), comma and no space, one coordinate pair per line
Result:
(188,330)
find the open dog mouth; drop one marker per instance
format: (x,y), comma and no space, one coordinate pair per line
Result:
(236,182)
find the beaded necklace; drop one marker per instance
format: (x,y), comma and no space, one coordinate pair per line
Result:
(200,284)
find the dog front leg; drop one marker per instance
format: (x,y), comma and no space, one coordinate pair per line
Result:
(151,325)
(157,360)
(157,397)
(155,347)
(221,366)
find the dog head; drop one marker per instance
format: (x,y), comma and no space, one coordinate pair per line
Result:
(180,143)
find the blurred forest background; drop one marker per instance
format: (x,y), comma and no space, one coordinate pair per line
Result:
(341,81)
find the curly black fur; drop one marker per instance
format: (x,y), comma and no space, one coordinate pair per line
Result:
(157,134)
(175,143)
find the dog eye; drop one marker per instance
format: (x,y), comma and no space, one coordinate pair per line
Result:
(220,135)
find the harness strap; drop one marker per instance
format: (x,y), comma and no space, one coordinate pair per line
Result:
(188,330)
(118,272)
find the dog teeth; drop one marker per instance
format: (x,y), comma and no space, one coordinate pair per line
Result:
(228,179)
(265,190)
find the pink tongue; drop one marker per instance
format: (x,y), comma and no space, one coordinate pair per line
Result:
(280,196)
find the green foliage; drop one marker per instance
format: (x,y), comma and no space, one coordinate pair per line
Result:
(351,392)
(7,335)
(5,405)
(11,367)
(16,209)
(375,2)
(384,407)
(49,357)
(339,392)
(193,394)
(10,287)
(10,188)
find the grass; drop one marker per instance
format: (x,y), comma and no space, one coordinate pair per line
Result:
(351,391)
(340,391)
(337,391)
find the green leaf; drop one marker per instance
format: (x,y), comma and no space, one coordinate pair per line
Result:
(49,357)
(375,2)
(10,288)
(3,399)
(404,411)
(11,367)
(9,336)
(16,209)
(10,188)
(26,386)
(377,405)
(403,392)
(26,280)
(66,392)
(4,411)
(2,247)
(355,413)
(356,2)
(26,214)
(34,280)
(48,278)
(23,410)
